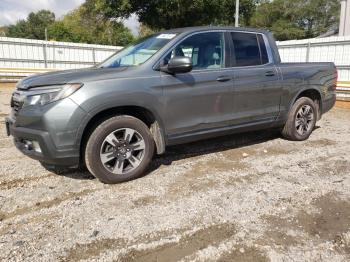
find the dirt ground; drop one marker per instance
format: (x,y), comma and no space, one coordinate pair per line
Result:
(252,197)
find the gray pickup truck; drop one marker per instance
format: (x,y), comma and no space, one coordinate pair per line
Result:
(171,88)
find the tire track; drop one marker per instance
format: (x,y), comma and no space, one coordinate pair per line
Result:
(45,204)
(174,250)
(20,182)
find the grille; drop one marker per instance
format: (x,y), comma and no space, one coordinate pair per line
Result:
(16,103)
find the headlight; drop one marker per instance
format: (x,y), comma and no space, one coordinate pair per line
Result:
(46,95)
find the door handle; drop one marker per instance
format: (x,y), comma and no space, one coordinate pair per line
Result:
(223,78)
(270,73)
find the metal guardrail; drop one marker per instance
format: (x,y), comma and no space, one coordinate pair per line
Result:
(15,74)
(58,45)
(311,44)
(47,61)
(343,90)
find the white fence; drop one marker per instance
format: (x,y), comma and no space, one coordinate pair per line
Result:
(36,55)
(27,53)
(329,49)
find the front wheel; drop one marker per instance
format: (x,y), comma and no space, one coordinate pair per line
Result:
(119,149)
(301,120)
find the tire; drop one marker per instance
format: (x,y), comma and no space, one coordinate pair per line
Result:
(119,149)
(301,120)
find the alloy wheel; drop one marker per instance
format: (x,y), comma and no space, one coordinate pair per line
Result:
(122,151)
(304,119)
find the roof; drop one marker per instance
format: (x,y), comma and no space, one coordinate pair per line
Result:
(206,28)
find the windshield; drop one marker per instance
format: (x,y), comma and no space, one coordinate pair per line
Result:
(138,53)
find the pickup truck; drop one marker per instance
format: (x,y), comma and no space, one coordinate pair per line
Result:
(170,88)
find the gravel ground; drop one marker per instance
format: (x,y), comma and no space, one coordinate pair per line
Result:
(252,197)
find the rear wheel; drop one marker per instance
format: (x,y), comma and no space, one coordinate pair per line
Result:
(301,120)
(119,149)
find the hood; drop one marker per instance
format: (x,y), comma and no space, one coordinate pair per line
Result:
(73,76)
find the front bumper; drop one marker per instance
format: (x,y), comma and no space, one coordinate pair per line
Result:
(53,127)
(49,153)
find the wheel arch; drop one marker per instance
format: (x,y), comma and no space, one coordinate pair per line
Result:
(144,114)
(312,93)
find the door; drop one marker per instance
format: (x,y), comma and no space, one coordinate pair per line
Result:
(257,87)
(202,99)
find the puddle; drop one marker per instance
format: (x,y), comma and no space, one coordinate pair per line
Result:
(144,201)
(187,245)
(332,220)
(244,254)
(329,223)
(93,249)
(321,142)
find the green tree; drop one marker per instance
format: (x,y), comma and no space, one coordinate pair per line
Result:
(166,14)
(296,19)
(59,31)
(85,25)
(145,31)
(82,25)
(317,16)
(33,27)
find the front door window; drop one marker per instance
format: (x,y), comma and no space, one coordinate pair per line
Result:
(207,50)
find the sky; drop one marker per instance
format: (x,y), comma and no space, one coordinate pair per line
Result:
(14,10)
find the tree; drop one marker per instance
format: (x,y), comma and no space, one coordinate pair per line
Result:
(33,27)
(317,16)
(86,26)
(297,19)
(145,31)
(100,21)
(166,14)
(59,31)
(82,25)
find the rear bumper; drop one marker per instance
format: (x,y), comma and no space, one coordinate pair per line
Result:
(49,154)
(328,104)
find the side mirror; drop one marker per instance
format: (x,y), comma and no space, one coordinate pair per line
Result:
(178,64)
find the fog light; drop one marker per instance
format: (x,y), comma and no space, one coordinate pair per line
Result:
(32,145)
(28,144)
(36,146)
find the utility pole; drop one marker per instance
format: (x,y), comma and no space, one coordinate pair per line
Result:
(237,14)
(344,27)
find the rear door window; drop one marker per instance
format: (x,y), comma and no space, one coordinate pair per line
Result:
(249,49)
